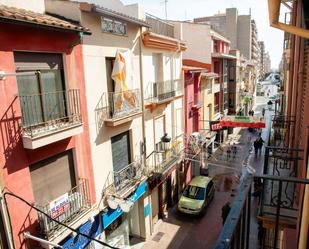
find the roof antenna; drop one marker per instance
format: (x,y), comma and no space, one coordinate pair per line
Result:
(250,11)
(165,3)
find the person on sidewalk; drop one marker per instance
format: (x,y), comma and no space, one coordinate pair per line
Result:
(228,153)
(260,144)
(263,112)
(234,150)
(225,211)
(256,146)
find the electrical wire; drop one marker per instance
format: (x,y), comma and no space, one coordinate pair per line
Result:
(58,222)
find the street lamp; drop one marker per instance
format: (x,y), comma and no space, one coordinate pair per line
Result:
(166,139)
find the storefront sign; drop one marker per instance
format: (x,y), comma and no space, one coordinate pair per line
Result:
(59,206)
(91,229)
(215,125)
(113,214)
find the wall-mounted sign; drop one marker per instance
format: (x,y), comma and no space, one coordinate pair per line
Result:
(59,206)
(215,125)
(243,121)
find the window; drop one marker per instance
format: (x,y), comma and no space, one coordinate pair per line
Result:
(121,151)
(52,177)
(40,79)
(209,86)
(209,187)
(159,130)
(113,26)
(194,192)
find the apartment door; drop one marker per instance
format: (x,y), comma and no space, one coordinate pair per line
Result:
(40,81)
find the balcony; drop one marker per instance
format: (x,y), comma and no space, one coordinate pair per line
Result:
(116,108)
(68,208)
(50,117)
(122,183)
(164,91)
(160,162)
(160,26)
(282,132)
(240,228)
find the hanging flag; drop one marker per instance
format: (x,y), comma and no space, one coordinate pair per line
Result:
(124,97)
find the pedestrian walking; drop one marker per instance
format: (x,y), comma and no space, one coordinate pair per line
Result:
(263,112)
(225,211)
(234,150)
(252,113)
(256,146)
(228,152)
(260,144)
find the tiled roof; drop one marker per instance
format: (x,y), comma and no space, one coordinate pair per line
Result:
(22,15)
(109,12)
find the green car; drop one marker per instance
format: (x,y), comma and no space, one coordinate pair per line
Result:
(197,195)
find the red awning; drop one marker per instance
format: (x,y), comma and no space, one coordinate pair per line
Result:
(255,122)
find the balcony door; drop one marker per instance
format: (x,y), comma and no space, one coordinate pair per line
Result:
(40,87)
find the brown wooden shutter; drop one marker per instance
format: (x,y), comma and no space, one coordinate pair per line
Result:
(26,61)
(52,177)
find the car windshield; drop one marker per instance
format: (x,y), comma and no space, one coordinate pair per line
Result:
(194,192)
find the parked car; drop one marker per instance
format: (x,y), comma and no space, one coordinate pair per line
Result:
(197,195)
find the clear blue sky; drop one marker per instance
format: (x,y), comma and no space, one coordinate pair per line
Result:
(189,9)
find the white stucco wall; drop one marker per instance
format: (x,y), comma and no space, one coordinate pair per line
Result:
(198,38)
(169,66)
(33,5)
(96,48)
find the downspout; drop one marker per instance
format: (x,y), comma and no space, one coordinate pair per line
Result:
(142,96)
(7,225)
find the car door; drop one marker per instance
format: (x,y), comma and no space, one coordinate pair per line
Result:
(209,192)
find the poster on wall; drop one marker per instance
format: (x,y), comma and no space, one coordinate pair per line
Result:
(125,98)
(59,206)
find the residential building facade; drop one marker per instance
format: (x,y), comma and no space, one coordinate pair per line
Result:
(45,137)
(112,61)
(163,117)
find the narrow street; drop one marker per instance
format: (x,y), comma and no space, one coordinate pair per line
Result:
(184,231)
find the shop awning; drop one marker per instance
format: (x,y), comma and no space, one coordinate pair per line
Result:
(255,122)
(243,121)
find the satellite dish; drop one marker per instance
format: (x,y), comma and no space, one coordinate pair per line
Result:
(126,206)
(112,202)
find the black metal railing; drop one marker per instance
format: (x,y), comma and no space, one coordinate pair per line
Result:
(160,161)
(118,182)
(46,113)
(163,91)
(238,232)
(282,132)
(71,205)
(160,26)
(115,105)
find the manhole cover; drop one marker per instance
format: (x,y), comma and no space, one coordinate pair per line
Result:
(158,236)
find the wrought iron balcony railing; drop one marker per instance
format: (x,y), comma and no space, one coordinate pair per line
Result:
(160,26)
(116,105)
(118,183)
(156,92)
(47,113)
(65,209)
(239,230)
(282,133)
(161,161)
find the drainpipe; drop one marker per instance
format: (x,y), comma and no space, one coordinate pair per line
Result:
(142,96)
(6,221)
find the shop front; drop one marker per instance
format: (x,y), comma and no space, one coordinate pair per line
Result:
(120,227)
(164,191)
